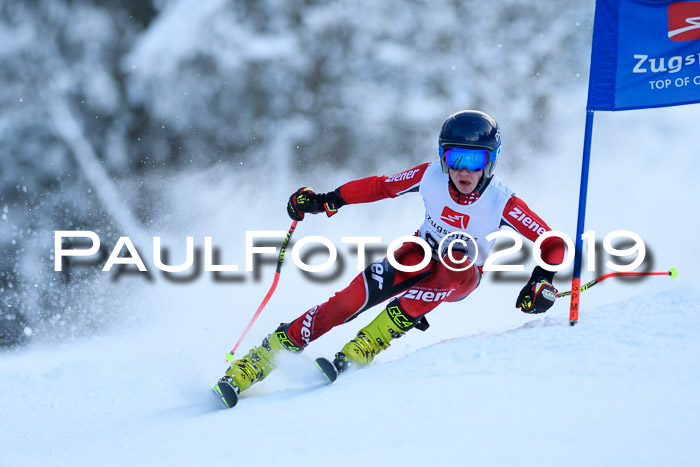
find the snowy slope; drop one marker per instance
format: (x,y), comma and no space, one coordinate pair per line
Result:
(618,389)
(486,385)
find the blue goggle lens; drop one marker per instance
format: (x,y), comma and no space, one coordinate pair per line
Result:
(464,158)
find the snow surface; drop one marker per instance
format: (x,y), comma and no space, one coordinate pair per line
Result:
(618,389)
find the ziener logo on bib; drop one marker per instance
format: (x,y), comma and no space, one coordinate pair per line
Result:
(454,218)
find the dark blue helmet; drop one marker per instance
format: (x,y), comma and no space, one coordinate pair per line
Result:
(471,129)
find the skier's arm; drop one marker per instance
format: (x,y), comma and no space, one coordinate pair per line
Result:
(520,217)
(538,295)
(365,190)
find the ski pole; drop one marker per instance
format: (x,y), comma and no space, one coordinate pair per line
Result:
(673,273)
(280,259)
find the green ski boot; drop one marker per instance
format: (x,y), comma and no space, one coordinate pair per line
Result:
(255,366)
(390,324)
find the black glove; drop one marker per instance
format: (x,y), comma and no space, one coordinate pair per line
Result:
(307,200)
(539,293)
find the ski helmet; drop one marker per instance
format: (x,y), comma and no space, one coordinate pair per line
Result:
(471,129)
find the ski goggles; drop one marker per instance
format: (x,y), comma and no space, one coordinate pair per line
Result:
(467,158)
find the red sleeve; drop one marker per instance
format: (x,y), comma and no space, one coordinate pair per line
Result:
(375,188)
(519,216)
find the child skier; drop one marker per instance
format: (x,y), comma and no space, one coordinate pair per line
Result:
(461,194)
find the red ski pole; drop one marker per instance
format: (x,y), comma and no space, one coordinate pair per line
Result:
(673,273)
(229,355)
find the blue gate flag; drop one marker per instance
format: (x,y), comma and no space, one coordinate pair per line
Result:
(646,53)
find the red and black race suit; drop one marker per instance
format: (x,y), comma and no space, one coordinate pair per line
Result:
(421,290)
